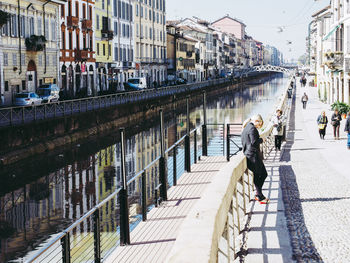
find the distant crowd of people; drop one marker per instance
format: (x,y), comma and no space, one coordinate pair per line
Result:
(251,139)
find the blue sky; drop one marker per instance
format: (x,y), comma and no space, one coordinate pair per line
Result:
(262,17)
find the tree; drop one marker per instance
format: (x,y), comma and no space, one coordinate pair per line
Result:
(303,59)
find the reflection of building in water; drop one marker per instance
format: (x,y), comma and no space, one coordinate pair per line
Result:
(32,211)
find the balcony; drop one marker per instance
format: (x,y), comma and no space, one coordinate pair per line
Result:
(334,60)
(82,55)
(86,25)
(107,34)
(35,43)
(72,21)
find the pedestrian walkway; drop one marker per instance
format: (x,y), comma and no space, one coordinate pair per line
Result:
(152,240)
(312,178)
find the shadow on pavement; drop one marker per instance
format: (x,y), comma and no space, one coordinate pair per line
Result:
(303,247)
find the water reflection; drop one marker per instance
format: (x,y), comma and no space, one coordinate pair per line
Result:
(38,199)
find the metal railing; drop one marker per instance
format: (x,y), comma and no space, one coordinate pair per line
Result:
(94,236)
(12,116)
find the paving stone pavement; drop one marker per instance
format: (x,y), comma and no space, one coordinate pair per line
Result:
(312,177)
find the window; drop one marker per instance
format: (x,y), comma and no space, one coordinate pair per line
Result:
(137,30)
(53,30)
(77,9)
(23,59)
(116,28)
(70,40)
(141,13)
(6,86)
(23,85)
(116,53)
(128,31)
(124,33)
(23,26)
(98,49)
(90,12)
(150,33)
(84,11)
(120,54)
(14,26)
(119,9)
(62,10)
(104,49)
(109,50)
(115,13)
(123,10)
(46,29)
(47,60)
(103,4)
(6,61)
(14,59)
(39,26)
(69,8)
(131,18)
(137,10)
(31,26)
(54,60)
(127,11)
(97,22)
(150,14)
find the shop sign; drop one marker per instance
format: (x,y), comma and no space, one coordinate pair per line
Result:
(48,80)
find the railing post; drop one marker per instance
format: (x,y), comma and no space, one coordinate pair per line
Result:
(65,243)
(11,117)
(97,236)
(144,196)
(23,118)
(195,146)
(204,140)
(187,139)
(228,143)
(124,205)
(162,170)
(174,166)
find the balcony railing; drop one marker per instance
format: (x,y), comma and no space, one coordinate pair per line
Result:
(86,25)
(35,43)
(107,34)
(82,55)
(334,60)
(72,21)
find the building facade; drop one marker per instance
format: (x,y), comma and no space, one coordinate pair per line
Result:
(29,46)
(150,41)
(77,55)
(123,66)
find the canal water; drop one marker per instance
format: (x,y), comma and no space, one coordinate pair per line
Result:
(41,197)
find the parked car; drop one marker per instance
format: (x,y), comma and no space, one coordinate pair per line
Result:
(49,93)
(136,84)
(27,98)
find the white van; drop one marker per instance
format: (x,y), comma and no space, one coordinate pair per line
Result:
(136,84)
(49,93)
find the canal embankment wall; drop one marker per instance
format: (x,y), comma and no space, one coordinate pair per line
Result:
(32,139)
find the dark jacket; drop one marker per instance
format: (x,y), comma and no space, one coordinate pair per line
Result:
(336,118)
(347,125)
(251,148)
(251,140)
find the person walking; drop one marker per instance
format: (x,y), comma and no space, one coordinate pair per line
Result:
(336,118)
(251,148)
(322,122)
(304,100)
(277,130)
(347,129)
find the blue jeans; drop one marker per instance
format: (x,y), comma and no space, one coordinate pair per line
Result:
(349,139)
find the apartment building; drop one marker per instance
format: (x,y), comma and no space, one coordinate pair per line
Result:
(29,47)
(77,54)
(150,41)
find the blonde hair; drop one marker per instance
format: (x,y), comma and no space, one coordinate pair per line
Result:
(253,119)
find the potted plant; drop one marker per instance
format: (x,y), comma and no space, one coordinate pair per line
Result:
(342,107)
(4,17)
